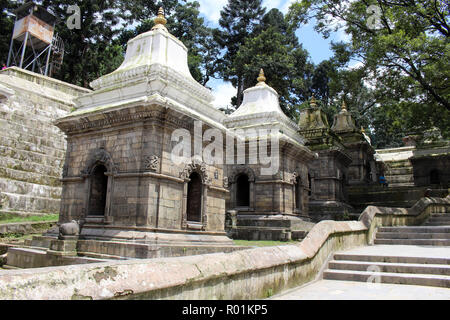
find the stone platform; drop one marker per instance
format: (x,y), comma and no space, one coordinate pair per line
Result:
(271,227)
(48,250)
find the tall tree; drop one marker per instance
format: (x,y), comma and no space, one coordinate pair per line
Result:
(405,50)
(89,52)
(6,28)
(275,48)
(238,21)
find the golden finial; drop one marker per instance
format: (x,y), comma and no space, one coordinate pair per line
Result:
(160,21)
(344,106)
(261,78)
(313,102)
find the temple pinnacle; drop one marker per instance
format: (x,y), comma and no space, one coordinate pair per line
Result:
(261,78)
(160,20)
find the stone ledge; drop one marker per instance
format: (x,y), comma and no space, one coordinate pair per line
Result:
(246,274)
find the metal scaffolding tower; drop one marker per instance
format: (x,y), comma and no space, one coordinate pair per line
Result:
(34,45)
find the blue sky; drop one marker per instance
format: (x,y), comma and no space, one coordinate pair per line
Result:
(317,46)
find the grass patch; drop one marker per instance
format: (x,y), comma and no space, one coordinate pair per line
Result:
(16,219)
(263,243)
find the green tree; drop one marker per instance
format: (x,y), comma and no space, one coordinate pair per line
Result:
(276,49)
(6,28)
(90,52)
(405,52)
(239,19)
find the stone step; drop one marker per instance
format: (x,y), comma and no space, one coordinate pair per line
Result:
(37,145)
(413,235)
(437,269)
(28,121)
(30,156)
(28,166)
(442,215)
(391,259)
(20,202)
(400,171)
(414,242)
(384,203)
(439,219)
(30,189)
(387,277)
(31,177)
(21,133)
(435,224)
(41,242)
(407,178)
(419,229)
(34,117)
(398,164)
(401,184)
(50,111)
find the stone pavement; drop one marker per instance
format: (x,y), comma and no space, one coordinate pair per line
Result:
(350,290)
(396,255)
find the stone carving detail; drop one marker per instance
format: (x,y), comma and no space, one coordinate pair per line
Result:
(69,229)
(226,183)
(151,163)
(199,167)
(294,177)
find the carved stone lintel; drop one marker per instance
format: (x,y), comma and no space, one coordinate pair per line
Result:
(199,167)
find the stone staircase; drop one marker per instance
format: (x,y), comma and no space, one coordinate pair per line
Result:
(400,173)
(394,269)
(419,236)
(438,220)
(403,255)
(32,149)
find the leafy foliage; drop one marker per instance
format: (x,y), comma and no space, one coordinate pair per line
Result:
(405,54)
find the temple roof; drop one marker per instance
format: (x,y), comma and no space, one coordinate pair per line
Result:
(156,62)
(261,109)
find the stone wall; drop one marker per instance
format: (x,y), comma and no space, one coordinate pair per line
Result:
(31,148)
(248,274)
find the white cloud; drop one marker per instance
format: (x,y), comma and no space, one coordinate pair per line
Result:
(355,64)
(286,6)
(343,36)
(223,92)
(211,9)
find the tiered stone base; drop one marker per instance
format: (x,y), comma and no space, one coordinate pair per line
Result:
(329,210)
(105,244)
(270,227)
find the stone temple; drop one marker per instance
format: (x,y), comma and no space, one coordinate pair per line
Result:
(129,196)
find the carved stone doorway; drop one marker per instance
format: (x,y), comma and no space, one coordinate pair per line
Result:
(242,191)
(98,191)
(194,198)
